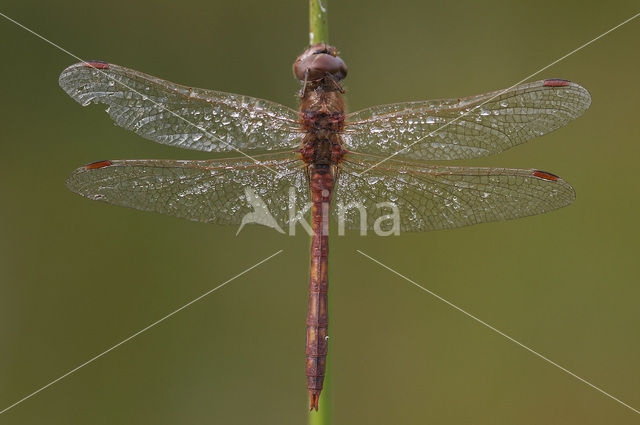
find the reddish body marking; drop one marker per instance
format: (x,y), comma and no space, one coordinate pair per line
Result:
(98,164)
(556,83)
(545,176)
(96,64)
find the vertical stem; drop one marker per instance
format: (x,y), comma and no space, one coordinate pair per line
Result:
(319,33)
(318,22)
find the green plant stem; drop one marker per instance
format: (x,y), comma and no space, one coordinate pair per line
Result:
(318,22)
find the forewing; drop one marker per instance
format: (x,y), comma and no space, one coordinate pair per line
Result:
(221,192)
(438,197)
(177,115)
(468,127)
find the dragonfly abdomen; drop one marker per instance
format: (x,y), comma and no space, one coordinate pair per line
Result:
(321,183)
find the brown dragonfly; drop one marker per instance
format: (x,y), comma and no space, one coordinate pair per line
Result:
(325,160)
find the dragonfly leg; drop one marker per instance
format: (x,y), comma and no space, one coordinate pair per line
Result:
(304,84)
(335,82)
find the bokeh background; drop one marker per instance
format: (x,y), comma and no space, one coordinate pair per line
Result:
(78,276)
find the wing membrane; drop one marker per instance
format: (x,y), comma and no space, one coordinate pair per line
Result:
(205,191)
(439,197)
(200,119)
(461,127)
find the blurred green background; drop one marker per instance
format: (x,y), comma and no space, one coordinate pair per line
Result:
(77,276)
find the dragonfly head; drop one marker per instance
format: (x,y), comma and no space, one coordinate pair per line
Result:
(318,61)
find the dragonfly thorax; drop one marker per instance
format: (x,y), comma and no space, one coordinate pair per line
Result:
(321,106)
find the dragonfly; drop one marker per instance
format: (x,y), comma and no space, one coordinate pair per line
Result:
(320,160)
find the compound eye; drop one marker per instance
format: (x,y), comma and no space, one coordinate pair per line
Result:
(317,61)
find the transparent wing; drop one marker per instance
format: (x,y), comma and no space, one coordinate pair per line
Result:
(469,127)
(223,192)
(438,197)
(186,117)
